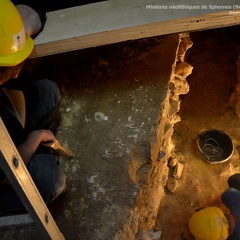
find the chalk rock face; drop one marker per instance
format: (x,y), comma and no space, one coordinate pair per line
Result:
(179,86)
(234,101)
(182,70)
(178,169)
(172,184)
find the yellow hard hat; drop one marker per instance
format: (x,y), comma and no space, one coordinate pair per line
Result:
(209,223)
(15,44)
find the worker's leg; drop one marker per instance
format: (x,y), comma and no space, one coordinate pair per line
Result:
(42,101)
(234,181)
(48,177)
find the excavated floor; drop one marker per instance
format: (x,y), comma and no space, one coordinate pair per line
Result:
(111,97)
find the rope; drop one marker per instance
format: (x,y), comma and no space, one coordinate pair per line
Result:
(212,150)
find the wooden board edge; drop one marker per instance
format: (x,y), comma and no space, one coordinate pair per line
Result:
(204,22)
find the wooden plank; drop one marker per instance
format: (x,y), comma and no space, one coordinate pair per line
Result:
(18,175)
(115,21)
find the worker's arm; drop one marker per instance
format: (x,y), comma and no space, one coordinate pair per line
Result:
(33,19)
(28,148)
(34,139)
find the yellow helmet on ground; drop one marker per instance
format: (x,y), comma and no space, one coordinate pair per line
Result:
(15,44)
(209,223)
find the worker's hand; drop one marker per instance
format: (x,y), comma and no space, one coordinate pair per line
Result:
(42,135)
(34,139)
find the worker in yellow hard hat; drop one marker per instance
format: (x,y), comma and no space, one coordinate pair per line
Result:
(28,107)
(211,223)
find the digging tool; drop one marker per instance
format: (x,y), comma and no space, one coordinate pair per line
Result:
(57,146)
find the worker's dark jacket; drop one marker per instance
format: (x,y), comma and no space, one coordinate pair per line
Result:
(24,111)
(231,198)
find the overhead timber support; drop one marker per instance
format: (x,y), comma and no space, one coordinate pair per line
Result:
(115,21)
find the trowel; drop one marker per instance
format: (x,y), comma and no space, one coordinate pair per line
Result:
(57,146)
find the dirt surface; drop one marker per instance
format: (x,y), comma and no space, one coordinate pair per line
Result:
(108,88)
(213,55)
(111,96)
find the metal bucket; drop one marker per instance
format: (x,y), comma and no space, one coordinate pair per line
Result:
(215,146)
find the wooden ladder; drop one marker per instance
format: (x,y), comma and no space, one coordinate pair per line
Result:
(18,175)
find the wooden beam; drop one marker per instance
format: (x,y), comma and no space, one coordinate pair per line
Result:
(115,21)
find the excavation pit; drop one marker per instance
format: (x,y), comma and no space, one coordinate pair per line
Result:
(117,177)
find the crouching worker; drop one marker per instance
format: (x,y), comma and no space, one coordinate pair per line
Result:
(211,223)
(28,111)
